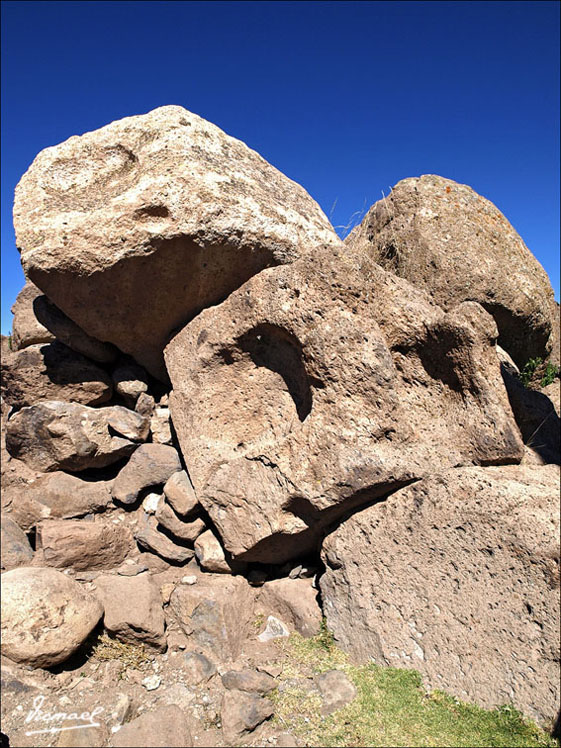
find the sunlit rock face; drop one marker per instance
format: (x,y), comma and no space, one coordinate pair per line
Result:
(318,387)
(132,229)
(445,238)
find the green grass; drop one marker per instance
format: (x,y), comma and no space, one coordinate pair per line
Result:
(391,707)
(535,370)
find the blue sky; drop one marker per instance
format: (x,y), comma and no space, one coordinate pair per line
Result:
(346,98)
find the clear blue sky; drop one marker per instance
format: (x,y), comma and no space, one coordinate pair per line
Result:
(346,98)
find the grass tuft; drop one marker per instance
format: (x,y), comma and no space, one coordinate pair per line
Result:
(128,655)
(391,707)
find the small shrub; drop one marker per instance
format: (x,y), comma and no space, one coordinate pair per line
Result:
(551,372)
(537,373)
(529,370)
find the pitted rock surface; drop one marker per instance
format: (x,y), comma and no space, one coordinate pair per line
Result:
(134,228)
(456,576)
(318,387)
(445,238)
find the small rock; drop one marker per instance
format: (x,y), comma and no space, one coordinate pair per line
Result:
(273,630)
(198,668)
(189,580)
(133,609)
(130,381)
(186,531)
(128,423)
(152,682)
(242,713)
(149,536)
(151,465)
(130,569)
(294,601)
(151,503)
(178,694)
(287,740)
(336,690)
(15,548)
(180,494)
(145,405)
(160,426)
(211,556)
(247,680)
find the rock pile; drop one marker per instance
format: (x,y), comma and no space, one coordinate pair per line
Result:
(208,399)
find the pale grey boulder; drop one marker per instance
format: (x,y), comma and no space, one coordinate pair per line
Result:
(45,617)
(134,228)
(446,239)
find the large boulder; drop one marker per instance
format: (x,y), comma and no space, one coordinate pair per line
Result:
(57,495)
(318,387)
(52,372)
(68,332)
(26,328)
(53,435)
(82,544)
(46,616)
(445,238)
(134,228)
(456,576)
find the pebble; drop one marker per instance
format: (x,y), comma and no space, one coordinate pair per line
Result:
(189,580)
(152,682)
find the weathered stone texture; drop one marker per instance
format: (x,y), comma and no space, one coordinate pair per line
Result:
(456,576)
(317,387)
(134,228)
(445,238)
